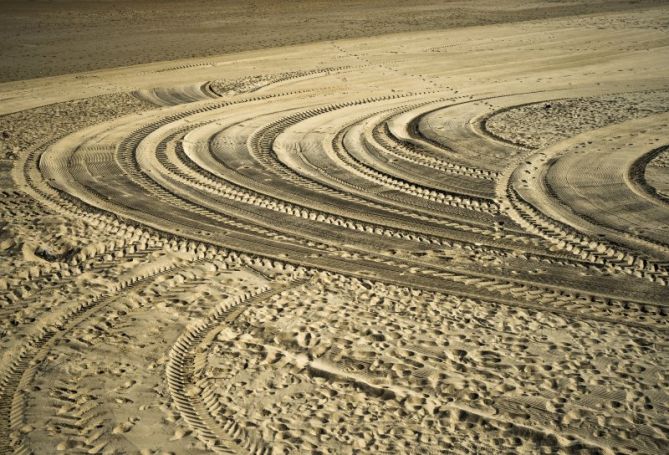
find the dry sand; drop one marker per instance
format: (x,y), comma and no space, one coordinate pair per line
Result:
(49,37)
(444,240)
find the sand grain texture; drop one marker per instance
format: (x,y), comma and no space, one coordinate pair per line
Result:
(450,239)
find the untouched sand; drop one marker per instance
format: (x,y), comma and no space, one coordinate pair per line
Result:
(49,37)
(434,241)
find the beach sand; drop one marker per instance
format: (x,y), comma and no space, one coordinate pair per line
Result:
(427,228)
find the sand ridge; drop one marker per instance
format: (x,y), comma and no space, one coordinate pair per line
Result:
(448,241)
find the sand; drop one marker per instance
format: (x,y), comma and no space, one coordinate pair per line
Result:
(449,239)
(41,38)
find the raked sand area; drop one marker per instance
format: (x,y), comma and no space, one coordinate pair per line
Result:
(452,240)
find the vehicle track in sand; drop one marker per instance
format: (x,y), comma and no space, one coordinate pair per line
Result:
(367,249)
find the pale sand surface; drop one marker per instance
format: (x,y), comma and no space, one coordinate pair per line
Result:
(444,240)
(48,37)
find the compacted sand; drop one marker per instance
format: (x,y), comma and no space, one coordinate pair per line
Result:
(452,240)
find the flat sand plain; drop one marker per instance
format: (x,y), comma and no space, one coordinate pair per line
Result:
(49,37)
(435,241)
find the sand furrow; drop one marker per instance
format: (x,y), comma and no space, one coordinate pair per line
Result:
(452,240)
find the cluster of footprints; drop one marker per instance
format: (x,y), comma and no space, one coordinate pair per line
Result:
(242,269)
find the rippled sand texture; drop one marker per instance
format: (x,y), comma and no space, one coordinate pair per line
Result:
(430,242)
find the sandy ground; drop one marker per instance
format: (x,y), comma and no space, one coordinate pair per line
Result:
(452,240)
(49,37)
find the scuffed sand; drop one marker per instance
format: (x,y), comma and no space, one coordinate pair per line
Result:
(436,241)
